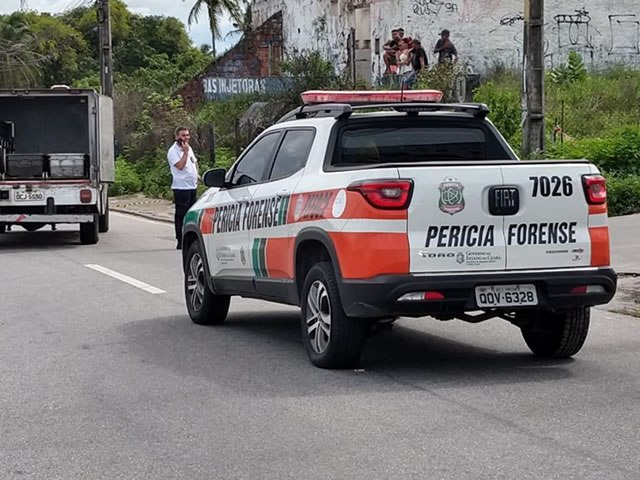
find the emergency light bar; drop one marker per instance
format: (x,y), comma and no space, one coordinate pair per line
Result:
(365,97)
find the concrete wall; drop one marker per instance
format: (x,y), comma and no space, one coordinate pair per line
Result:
(485,32)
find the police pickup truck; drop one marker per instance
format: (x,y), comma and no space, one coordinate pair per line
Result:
(362,207)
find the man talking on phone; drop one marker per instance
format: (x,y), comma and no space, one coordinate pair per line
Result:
(184,170)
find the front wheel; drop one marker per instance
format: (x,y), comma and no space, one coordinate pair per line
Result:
(204,306)
(331,339)
(557,334)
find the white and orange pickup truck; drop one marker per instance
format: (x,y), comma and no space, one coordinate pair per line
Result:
(361,207)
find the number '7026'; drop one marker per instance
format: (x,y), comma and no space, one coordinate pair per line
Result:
(554,186)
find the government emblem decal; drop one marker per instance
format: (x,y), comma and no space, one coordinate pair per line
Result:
(451,196)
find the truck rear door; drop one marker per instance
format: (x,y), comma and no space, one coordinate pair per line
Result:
(450,226)
(550,226)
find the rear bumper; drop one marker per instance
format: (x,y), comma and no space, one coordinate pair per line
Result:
(378,297)
(70,218)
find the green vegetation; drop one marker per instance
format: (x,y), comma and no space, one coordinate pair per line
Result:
(592,115)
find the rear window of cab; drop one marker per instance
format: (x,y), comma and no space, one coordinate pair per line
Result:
(416,140)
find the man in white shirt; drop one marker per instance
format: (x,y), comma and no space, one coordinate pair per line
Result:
(184,170)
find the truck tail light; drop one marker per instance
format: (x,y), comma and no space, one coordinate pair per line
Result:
(584,289)
(595,189)
(86,196)
(385,194)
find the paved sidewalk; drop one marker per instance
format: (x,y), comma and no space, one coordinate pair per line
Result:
(139,205)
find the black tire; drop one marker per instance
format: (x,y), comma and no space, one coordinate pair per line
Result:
(103,223)
(89,232)
(3,228)
(205,308)
(344,343)
(557,334)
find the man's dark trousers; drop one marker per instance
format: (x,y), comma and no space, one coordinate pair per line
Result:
(184,200)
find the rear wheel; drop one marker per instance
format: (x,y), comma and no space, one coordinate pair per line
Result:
(89,232)
(103,223)
(205,307)
(331,339)
(557,334)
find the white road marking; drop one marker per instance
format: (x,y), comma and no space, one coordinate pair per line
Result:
(124,278)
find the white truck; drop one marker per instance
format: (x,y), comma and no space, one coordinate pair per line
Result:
(56,159)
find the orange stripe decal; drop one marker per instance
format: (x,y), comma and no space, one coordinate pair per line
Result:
(366,255)
(279,257)
(600,255)
(597,209)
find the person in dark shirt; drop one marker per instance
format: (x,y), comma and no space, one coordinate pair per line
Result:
(419,62)
(391,48)
(445,48)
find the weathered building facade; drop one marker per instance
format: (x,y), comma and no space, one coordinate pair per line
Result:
(251,66)
(351,33)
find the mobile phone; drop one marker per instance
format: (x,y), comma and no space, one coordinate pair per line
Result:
(179,141)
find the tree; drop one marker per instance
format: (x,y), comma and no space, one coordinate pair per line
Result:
(244,26)
(61,45)
(215,9)
(19,60)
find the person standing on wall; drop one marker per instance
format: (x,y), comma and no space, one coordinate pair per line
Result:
(184,170)
(445,49)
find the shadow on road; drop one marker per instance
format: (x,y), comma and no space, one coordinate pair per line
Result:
(262,354)
(45,239)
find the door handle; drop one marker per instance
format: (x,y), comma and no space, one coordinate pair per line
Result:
(283,193)
(245,198)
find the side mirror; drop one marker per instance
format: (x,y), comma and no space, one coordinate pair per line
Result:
(214,177)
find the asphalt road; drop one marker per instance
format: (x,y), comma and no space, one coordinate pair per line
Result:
(102,379)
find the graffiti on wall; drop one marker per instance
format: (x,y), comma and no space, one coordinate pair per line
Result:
(575,30)
(624,34)
(477,10)
(433,8)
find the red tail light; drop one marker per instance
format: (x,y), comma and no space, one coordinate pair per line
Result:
(387,194)
(433,296)
(86,196)
(595,189)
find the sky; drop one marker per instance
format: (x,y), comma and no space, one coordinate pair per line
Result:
(199,32)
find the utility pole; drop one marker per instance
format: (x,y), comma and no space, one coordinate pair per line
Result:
(533,135)
(106,57)
(24,6)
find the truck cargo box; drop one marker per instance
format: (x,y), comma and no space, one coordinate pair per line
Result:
(61,121)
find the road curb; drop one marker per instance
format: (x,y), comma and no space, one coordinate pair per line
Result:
(142,215)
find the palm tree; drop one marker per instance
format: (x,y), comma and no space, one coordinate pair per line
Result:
(216,8)
(19,61)
(243,26)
